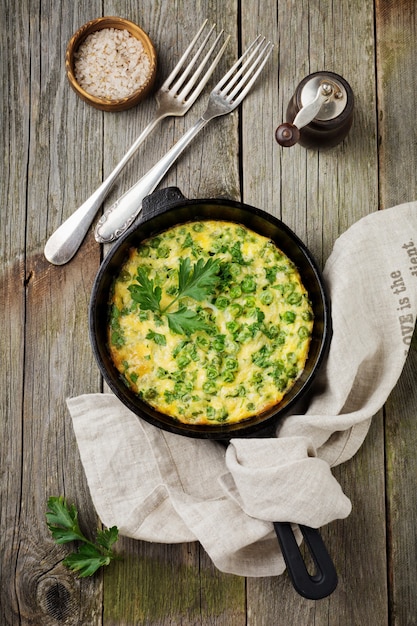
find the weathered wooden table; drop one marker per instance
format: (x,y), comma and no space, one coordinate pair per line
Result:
(56,150)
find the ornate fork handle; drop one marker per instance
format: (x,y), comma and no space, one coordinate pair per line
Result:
(65,241)
(117,219)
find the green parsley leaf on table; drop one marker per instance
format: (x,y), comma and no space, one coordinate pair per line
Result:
(62,521)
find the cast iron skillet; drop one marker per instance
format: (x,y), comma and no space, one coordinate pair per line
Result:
(167,208)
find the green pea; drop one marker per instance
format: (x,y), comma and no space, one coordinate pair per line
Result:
(198,227)
(221,302)
(288,288)
(222,415)
(235,310)
(232,326)
(231,364)
(281,383)
(281,338)
(307,316)
(162,252)
(235,291)
(154,242)
(183,360)
(232,347)
(234,269)
(243,335)
(257,379)
(288,317)
(303,332)
(202,342)
(229,376)
(216,360)
(292,372)
(239,392)
(209,387)
(150,394)
(291,357)
(271,331)
(144,251)
(248,284)
(210,413)
(267,298)
(212,372)
(294,298)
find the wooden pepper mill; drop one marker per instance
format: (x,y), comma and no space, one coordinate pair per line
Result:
(320,113)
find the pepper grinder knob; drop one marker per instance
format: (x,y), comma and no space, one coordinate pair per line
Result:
(287,134)
(320,113)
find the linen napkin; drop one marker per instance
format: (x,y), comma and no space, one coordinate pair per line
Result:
(161,487)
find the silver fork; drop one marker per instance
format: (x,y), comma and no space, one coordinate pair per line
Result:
(175,97)
(224,98)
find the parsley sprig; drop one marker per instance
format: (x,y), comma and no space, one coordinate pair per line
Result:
(62,521)
(194,281)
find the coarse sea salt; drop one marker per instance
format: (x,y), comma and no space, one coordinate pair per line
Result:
(111,63)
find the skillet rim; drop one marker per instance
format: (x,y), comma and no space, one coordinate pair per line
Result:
(155,221)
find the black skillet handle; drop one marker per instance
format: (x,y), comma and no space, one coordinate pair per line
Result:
(324,581)
(159,201)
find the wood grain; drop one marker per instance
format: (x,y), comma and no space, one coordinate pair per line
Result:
(397,92)
(56,152)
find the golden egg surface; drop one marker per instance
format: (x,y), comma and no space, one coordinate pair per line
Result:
(209,322)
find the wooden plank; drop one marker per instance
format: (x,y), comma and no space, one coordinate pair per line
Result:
(319,194)
(396,27)
(158,584)
(14,142)
(401,436)
(55,305)
(14,136)
(161,585)
(397,91)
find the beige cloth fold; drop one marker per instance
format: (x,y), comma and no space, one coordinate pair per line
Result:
(161,487)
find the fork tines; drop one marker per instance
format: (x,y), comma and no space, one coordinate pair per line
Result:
(249,65)
(180,73)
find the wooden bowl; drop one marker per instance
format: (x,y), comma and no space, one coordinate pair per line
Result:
(102,103)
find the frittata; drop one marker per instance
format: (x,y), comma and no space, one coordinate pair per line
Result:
(209,322)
